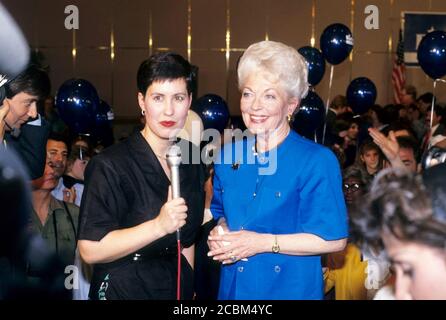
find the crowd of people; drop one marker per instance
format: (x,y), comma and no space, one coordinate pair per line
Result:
(276,216)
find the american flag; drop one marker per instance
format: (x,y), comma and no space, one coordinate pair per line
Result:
(399,71)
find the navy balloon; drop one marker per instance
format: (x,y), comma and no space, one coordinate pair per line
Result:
(432,54)
(336,43)
(77,101)
(104,115)
(310,116)
(316,64)
(103,128)
(361,95)
(213,111)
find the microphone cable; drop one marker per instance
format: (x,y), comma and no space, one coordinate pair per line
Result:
(179,268)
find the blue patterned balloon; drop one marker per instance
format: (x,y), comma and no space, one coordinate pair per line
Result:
(213,111)
(310,116)
(336,43)
(432,54)
(361,95)
(77,102)
(103,128)
(316,64)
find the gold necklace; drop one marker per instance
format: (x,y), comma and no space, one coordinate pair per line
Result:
(151,147)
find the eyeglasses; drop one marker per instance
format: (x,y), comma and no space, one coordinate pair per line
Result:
(351,187)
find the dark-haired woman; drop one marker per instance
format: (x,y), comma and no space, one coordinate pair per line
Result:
(128,218)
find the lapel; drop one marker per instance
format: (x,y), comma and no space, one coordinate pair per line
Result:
(148,163)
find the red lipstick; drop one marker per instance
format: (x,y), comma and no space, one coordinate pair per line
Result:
(168,124)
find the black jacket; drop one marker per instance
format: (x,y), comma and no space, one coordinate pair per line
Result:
(125,186)
(30,145)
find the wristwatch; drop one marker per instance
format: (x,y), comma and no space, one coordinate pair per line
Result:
(275,248)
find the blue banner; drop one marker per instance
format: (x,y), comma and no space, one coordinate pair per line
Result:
(416,25)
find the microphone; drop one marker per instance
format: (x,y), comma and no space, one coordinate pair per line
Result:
(173,158)
(14,54)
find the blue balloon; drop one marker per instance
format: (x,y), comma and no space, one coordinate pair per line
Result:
(103,128)
(77,101)
(361,95)
(336,43)
(310,116)
(316,64)
(432,54)
(104,115)
(213,111)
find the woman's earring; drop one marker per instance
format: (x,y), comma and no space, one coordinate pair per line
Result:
(289,117)
(143,112)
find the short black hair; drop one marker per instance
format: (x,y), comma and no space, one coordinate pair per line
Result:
(163,66)
(60,138)
(34,81)
(409,143)
(426,97)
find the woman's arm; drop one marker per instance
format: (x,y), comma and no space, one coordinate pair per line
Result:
(120,243)
(243,244)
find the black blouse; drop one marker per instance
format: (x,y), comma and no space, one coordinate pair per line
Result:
(125,186)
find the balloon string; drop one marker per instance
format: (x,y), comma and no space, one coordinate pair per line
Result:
(330,84)
(433,102)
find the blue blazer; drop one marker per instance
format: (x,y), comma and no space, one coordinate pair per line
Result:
(295,188)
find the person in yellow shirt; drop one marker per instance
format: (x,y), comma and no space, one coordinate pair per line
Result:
(355,275)
(346,273)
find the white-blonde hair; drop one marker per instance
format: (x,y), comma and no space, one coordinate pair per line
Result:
(281,63)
